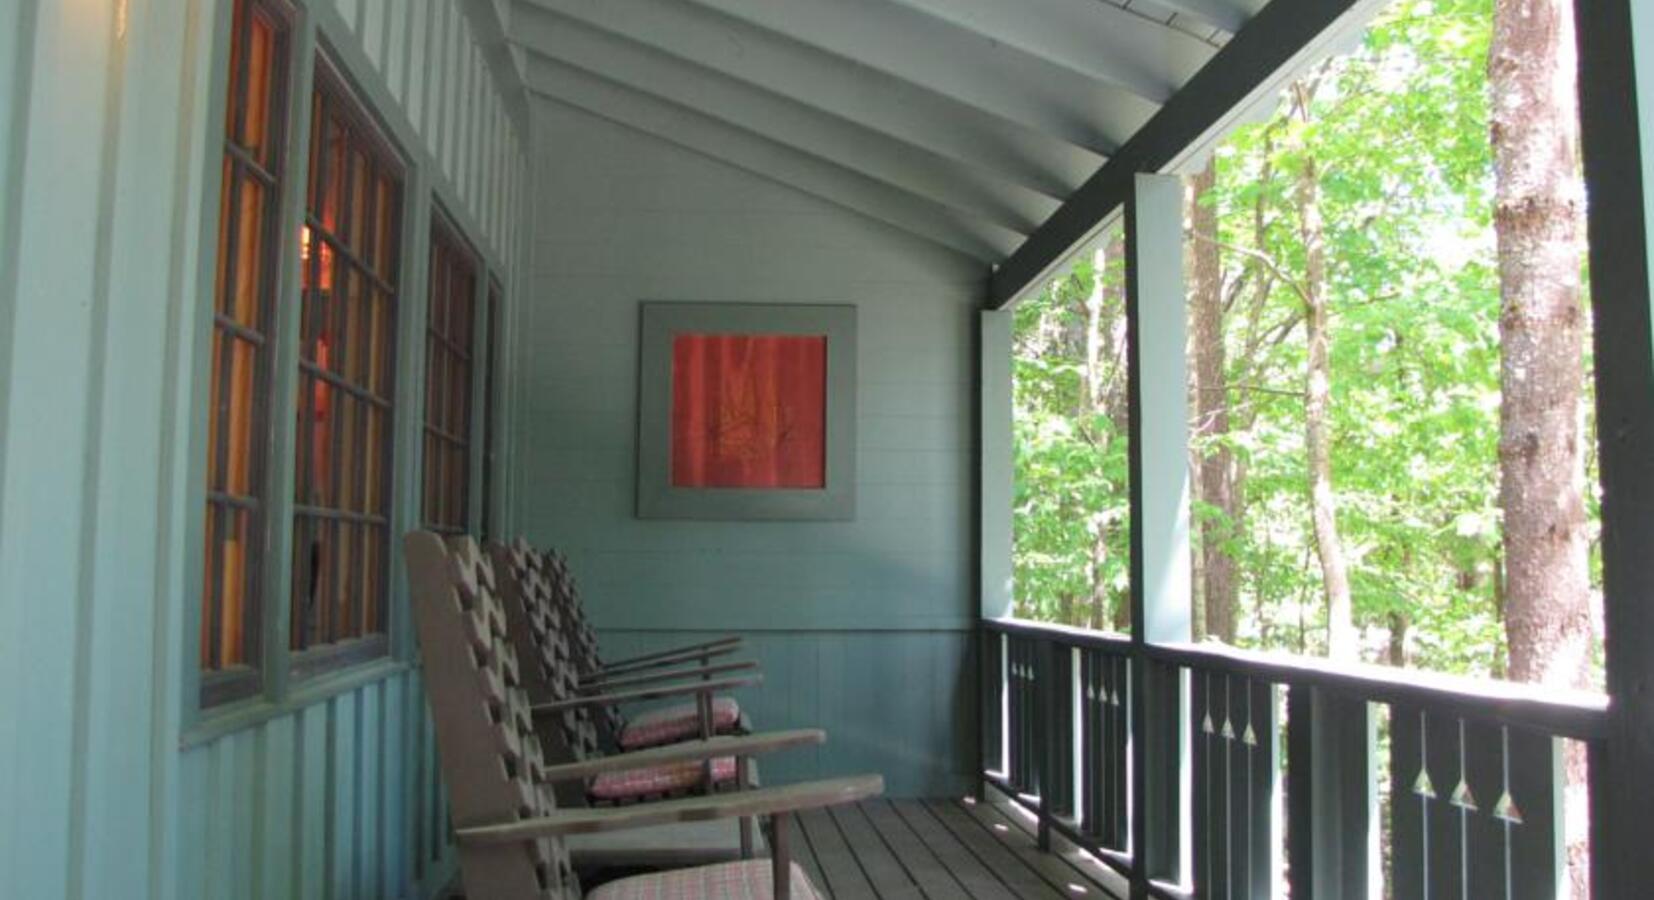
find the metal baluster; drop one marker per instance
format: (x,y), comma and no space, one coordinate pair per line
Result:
(1465,802)
(1426,792)
(1228,734)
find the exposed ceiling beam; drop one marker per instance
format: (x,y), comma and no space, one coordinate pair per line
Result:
(757,154)
(833,85)
(968,67)
(1251,67)
(1098,40)
(967,190)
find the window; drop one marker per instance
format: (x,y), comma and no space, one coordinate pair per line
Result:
(491,340)
(448,383)
(239,401)
(347,366)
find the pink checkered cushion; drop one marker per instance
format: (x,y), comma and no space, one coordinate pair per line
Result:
(663,779)
(677,723)
(749,880)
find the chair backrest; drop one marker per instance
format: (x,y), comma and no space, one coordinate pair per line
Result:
(536,626)
(491,758)
(584,636)
(548,583)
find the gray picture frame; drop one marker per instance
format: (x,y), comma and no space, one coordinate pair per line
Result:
(657,498)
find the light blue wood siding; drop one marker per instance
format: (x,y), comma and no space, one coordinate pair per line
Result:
(331,801)
(862,626)
(107,182)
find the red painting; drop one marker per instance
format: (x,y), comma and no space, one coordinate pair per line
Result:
(749,411)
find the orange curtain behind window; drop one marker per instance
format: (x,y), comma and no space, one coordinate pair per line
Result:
(749,411)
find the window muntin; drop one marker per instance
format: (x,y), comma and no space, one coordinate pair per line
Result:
(447,434)
(346,387)
(239,399)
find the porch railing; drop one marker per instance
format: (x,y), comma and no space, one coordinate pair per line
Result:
(1259,775)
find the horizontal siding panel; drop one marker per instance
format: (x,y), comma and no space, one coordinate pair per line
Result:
(825,680)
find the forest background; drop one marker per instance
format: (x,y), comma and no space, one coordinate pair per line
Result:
(1389,369)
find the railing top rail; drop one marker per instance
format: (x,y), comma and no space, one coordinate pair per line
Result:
(1111,641)
(1572,714)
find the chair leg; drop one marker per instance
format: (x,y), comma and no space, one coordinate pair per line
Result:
(743,781)
(781,865)
(703,709)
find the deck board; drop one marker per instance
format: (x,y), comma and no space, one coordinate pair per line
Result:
(889,878)
(843,873)
(938,850)
(934,878)
(981,882)
(1058,867)
(934,849)
(989,845)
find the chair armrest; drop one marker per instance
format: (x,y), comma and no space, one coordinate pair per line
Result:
(673,675)
(743,745)
(676,658)
(654,693)
(729,641)
(755,802)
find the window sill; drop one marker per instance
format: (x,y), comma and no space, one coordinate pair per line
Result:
(234,717)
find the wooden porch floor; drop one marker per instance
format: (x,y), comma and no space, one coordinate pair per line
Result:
(937,849)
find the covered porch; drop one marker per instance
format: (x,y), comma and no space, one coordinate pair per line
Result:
(210,681)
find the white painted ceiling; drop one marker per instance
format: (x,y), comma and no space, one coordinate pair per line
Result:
(967,122)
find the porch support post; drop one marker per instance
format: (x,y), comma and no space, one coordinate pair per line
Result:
(1616,43)
(1160,578)
(994,463)
(995,496)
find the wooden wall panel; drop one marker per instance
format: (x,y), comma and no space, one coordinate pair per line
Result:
(298,806)
(106,167)
(862,626)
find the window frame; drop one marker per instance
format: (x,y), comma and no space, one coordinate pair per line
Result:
(490,404)
(307,660)
(318,49)
(223,685)
(449,245)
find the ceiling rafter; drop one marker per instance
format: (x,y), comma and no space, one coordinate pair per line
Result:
(973,69)
(1097,40)
(754,152)
(943,181)
(836,86)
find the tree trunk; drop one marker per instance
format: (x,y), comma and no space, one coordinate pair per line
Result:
(1341,643)
(1537,220)
(1215,484)
(1398,639)
(1092,388)
(1542,334)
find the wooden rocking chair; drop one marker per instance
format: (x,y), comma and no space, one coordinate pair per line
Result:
(509,831)
(565,717)
(545,584)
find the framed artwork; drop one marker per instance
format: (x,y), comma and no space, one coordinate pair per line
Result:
(746,411)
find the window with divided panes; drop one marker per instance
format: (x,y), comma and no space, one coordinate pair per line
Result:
(346,385)
(243,307)
(446,492)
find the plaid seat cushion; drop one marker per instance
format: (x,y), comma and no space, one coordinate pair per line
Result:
(663,779)
(727,881)
(677,723)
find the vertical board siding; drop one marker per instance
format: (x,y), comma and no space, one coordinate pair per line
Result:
(297,807)
(862,627)
(107,167)
(43,485)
